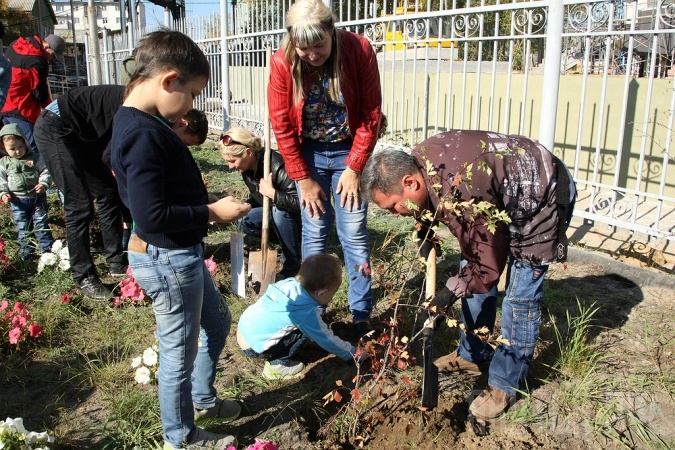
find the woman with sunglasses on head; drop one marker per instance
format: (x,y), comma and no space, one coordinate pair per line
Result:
(325,107)
(242,151)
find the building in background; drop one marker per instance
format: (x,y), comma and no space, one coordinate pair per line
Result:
(107,16)
(31,17)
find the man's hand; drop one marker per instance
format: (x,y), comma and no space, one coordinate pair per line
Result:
(442,302)
(227,209)
(4,199)
(39,188)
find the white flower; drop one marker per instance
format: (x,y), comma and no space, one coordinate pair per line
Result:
(150,357)
(136,362)
(64,264)
(142,375)
(46,259)
(57,245)
(63,254)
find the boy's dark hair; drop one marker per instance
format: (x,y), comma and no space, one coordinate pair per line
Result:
(197,124)
(320,271)
(165,50)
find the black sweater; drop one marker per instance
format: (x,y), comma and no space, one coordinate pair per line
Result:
(159,181)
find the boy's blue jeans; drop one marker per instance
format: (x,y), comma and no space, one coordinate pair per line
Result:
(282,351)
(326,163)
(31,215)
(193,322)
(521,316)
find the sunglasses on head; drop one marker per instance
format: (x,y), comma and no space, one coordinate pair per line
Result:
(227,140)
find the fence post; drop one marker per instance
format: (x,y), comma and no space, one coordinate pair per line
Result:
(549,98)
(225,65)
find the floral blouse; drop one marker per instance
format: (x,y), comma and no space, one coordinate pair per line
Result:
(324,120)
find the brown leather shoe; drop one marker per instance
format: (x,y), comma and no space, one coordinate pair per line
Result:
(452,362)
(490,404)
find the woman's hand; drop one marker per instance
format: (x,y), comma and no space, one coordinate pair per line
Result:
(265,187)
(312,197)
(348,188)
(227,209)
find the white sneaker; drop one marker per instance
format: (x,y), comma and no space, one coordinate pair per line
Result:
(203,440)
(223,410)
(285,371)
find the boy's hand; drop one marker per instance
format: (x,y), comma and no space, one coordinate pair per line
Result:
(39,189)
(4,199)
(227,209)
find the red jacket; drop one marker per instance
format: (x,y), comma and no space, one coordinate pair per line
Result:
(360,84)
(28,93)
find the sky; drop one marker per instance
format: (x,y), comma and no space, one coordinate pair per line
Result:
(155,14)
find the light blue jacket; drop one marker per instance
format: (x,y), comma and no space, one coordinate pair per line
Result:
(287,306)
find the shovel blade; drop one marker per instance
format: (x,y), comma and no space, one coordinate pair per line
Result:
(430,376)
(238,282)
(259,279)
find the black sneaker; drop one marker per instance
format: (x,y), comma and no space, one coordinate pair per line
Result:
(118,270)
(94,289)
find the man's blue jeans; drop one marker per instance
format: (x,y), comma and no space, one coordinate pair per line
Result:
(521,316)
(31,215)
(287,230)
(326,163)
(193,322)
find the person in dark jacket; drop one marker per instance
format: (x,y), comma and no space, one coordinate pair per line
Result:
(242,151)
(506,199)
(72,134)
(29,91)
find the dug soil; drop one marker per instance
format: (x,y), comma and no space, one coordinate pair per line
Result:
(624,401)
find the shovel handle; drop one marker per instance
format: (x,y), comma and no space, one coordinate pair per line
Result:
(267,161)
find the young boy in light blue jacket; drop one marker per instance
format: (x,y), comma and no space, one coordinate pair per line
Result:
(280,322)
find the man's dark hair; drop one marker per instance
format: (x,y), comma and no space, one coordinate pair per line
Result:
(384,172)
(165,50)
(197,124)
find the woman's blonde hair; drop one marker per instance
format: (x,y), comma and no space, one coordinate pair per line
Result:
(308,22)
(244,139)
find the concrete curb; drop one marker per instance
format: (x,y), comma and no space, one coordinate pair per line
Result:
(638,275)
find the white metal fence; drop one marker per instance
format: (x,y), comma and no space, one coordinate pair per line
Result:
(591,79)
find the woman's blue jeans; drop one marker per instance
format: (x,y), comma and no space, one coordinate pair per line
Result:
(521,316)
(193,322)
(31,215)
(326,163)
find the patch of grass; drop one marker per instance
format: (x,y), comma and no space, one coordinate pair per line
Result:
(133,420)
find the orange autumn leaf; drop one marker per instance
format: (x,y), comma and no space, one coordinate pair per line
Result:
(337,397)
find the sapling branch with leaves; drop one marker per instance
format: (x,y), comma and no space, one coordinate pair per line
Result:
(390,351)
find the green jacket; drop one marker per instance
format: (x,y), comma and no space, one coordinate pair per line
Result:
(20,176)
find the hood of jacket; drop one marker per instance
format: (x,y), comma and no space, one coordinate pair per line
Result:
(13,129)
(31,46)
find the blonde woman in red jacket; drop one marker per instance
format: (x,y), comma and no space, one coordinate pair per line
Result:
(325,107)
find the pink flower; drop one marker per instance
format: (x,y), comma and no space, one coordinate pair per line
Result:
(2,244)
(14,335)
(211,265)
(4,305)
(19,321)
(117,302)
(131,290)
(130,274)
(34,330)
(65,299)
(4,260)
(18,306)
(263,445)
